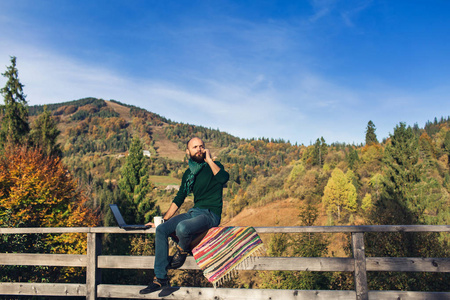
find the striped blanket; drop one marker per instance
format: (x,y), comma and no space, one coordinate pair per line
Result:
(225,248)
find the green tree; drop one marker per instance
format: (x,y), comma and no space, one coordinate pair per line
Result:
(320,151)
(403,168)
(135,186)
(401,202)
(14,114)
(371,137)
(137,207)
(352,157)
(44,134)
(447,143)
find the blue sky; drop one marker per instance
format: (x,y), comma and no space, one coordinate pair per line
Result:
(296,70)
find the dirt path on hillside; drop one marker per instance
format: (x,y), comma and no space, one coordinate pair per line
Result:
(164,147)
(278,213)
(123,111)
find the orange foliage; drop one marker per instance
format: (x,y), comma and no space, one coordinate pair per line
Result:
(37,191)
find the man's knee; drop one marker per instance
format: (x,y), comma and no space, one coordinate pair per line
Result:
(182,229)
(161,231)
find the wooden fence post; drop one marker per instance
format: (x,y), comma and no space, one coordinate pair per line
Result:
(93,273)
(362,291)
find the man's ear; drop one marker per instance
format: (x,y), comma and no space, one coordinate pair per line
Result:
(187,152)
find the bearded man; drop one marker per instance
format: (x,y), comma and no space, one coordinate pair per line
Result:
(205,178)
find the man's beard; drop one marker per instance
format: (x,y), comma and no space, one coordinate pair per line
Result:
(198,158)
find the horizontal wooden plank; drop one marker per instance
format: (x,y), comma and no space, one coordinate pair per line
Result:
(132,292)
(292,229)
(42,289)
(182,293)
(44,230)
(132,262)
(321,264)
(329,264)
(360,228)
(405,264)
(31,259)
(400,295)
(119,230)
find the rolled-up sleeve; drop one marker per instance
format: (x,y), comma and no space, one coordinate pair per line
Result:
(222,176)
(182,194)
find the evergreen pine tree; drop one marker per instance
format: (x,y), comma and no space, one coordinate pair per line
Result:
(400,203)
(403,169)
(371,137)
(14,114)
(447,143)
(320,151)
(135,186)
(44,134)
(352,157)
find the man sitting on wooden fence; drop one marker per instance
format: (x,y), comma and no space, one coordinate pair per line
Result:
(205,178)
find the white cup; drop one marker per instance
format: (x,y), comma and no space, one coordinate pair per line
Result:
(158,220)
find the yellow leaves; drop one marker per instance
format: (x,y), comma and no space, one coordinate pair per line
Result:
(372,153)
(340,193)
(367,203)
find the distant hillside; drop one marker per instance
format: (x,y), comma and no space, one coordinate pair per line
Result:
(405,179)
(108,126)
(96,134)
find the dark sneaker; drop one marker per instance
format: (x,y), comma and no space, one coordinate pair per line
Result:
(178,259)
(156,285)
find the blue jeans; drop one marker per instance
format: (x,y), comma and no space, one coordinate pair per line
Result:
(186,227)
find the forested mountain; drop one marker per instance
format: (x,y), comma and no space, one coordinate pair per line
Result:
(403,180)
(62,164)
(95,136)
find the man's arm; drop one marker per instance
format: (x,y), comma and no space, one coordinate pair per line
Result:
(172,210)
(214,168)
(169,214)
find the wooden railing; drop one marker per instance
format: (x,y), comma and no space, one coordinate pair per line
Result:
(94,261)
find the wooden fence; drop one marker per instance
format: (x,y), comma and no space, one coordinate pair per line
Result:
(94,261)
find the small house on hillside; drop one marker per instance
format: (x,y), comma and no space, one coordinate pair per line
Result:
(172,187)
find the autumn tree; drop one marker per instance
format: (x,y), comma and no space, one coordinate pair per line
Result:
(14,113)
(339,194)
(371,137)
(38,191)
(446,144)
(367,203)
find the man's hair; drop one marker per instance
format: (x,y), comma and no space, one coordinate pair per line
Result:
(195,137)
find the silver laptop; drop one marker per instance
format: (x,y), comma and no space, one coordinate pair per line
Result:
(118,216)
